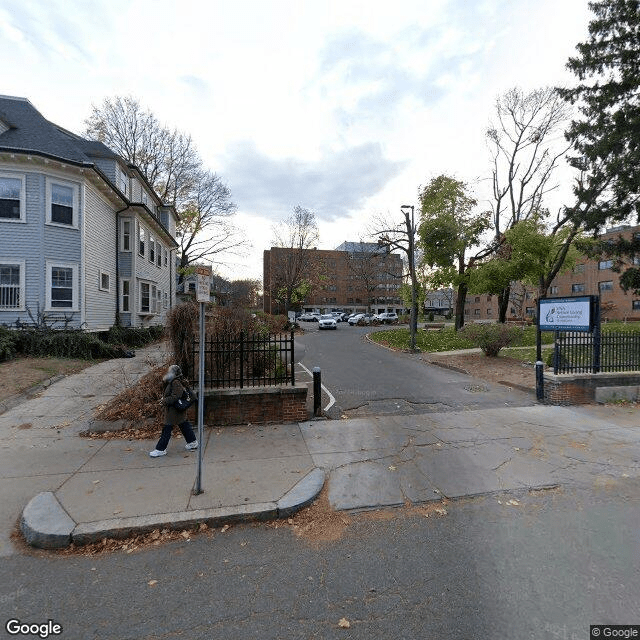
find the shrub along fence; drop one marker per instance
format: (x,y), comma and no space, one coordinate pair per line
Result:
(246,360)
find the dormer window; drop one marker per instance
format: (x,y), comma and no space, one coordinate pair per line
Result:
(123,182)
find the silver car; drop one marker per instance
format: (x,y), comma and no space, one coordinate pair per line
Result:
(327,322)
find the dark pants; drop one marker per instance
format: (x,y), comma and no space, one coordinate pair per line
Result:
(187,432)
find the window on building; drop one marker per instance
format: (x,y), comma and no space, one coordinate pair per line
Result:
(635,305)
(152,249)
(579,268)
(159,250)
(512,311)
(145,297)
(11,198)
(125,304)
(166,257)
(141,240)
(489,298)
(105,281)
(577,288)
(530,311)
(607,285)
(466,312)
(553,290)
(62,199)
(477,299)
(476,312)
(489,311)
(62,286)
(11,285)
(605,264)
(126,235)
(165,302)
(144,197)
(123,182)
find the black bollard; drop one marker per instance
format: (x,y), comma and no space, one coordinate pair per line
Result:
(317,392)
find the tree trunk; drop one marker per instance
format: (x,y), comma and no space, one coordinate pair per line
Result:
(462,296)
(503,304)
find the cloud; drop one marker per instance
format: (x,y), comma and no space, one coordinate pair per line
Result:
(333,186)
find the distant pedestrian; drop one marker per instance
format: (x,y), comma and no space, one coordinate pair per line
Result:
(174,386)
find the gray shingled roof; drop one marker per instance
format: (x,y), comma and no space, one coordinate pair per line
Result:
(30,131)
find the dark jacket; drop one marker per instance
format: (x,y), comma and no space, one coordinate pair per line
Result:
(173,391)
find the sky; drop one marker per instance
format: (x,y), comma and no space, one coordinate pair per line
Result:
(344,107)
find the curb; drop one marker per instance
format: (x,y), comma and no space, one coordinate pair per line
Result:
(46,525)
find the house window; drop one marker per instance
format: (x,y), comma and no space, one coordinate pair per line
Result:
(530,311)
(158,301)
(12,195)
(166,257)
(11,285)
(61,208)
(145,292)
(605,264)
(105,281)
(126,295)
(477,299)
(159,250)
(126,235)
(577,288)
(145,197)
(476,312)
(166,300)
(466,312)
(635,305)
(606,285)
(152,249)
(62,287)
(489,312)
(553,291)
(123,182)
(141,240)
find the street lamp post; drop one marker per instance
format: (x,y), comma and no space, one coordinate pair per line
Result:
(411,230)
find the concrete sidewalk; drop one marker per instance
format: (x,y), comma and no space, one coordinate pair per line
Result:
(65,488)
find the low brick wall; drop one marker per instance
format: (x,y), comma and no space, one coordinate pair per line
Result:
(585,388)
(255,405)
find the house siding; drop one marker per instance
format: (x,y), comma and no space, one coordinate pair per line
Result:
(107,166)
(100,238)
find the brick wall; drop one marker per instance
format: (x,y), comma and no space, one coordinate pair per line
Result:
(583,388)
(255,405)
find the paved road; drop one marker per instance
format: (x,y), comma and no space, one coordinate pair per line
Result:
(366,379)
(543,569)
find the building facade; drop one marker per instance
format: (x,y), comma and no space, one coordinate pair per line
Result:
(355,277)
(588,277)
(85,242)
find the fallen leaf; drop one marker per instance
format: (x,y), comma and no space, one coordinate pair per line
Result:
(185,534)
(226,526)
(96,481)
(344,623)
(152,583)
(391,468)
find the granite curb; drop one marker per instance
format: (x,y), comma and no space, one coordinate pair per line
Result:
(46,524)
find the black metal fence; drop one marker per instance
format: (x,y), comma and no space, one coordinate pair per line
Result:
(246,360)
(576,352)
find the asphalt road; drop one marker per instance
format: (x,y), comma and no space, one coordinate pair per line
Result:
(366,379)
(545,568)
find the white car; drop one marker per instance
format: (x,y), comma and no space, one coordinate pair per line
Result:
(353,320)
(327,322)
(388,317)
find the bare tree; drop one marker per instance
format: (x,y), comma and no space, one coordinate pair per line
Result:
(368,270)
(292,270)
(170,162)
(525,151)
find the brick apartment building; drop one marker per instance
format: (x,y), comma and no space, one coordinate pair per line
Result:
(588,277)
(354,277)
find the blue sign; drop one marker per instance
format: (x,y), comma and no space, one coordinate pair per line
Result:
(566,314)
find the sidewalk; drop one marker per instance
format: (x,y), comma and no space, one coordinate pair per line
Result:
(67,488)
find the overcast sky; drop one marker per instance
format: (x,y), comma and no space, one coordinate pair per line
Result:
(344,107)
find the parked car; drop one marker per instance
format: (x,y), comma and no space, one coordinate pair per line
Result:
(353,320)
(340,316)
(388,317)
(309,317)
(327,321)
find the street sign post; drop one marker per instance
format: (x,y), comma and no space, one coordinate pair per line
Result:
(203,295)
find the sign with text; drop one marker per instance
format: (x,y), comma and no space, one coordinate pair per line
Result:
(203,284)
(566,314)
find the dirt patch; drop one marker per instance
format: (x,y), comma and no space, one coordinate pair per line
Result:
(507,371)
(21,374)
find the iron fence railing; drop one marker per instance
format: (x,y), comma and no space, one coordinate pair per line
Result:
(576,352)
(246,360)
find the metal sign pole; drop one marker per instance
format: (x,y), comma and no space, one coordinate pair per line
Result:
(198,488)
(203,295)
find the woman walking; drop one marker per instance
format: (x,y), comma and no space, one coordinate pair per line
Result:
(174,387)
